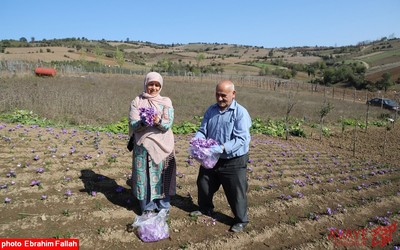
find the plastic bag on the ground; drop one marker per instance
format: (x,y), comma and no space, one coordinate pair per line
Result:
(152,227)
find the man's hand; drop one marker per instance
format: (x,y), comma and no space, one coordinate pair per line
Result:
(199,135)
(217,149)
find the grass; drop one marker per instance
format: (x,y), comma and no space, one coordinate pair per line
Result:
(373,59)
(101,102)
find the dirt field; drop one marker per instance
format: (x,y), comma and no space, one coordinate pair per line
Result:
(299,190)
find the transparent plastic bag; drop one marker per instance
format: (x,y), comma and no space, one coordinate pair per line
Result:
(152,227)
(204,156)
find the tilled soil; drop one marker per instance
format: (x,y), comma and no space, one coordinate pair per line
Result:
(302,191)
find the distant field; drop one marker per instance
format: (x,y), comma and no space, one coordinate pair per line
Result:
(105,98)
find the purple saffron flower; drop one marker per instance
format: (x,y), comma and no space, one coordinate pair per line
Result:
(189,161)
(39,170)
(36,157)
(93,193)
(87,157)
(35,183)
(72,150)
(11,174)
(68,193)
(147,115)
(43,197)
(329,211)
(7,200)
(200,150)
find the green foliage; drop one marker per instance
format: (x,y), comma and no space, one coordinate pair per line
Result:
(326,131)
(185,128)
(328,107)
(178,68)
(276,128)
(119,57)
(379,123)
(119,127)
(348,122)
(270,127)
(293,220)
(25,117)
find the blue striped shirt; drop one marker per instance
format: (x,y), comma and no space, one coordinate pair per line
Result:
(230,127)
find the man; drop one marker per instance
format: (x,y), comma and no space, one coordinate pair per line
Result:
(229,124)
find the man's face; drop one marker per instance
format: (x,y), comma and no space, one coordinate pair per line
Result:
(224,95)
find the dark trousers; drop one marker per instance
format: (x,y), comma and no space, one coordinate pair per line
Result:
(232,175)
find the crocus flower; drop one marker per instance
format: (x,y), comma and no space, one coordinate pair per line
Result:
(7,200)
(68,193)
(11,174)
(35,183)
(39,170)
(87,157)
(200,150)
(147,115)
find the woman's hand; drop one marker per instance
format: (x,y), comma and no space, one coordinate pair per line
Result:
(156,120)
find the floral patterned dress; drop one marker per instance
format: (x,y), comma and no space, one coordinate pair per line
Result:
(151,180)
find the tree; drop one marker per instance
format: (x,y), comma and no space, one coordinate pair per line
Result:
(329,76)
(386,81)
(98,52)
(200,57)
(322,114)
(23,40)
(119,57)
(290,104)
(271,53)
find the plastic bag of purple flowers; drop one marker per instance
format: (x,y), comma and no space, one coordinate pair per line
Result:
(152,227)
(200,151)
(147,115)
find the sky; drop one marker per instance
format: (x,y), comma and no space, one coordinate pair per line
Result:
(266,23)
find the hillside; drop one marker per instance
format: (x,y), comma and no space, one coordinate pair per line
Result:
(378,57)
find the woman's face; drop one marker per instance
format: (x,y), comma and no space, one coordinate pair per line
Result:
(153,88)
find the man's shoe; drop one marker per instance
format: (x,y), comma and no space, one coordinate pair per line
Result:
(199,213)
(196,213)
(238,227)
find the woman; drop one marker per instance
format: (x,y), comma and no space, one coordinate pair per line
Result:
(153,166)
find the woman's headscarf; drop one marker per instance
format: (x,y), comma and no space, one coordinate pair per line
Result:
(159,144)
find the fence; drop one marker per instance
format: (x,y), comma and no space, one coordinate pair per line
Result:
(8,68)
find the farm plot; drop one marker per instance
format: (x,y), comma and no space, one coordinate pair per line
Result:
(68,183)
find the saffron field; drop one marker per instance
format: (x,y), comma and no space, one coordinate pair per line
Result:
(69,183)
(341,191)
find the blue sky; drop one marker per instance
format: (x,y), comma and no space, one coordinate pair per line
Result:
(279,23)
